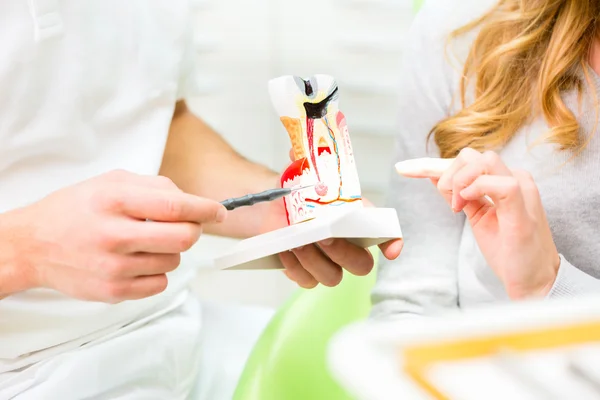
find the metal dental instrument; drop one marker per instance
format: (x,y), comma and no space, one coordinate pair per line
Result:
(267,195)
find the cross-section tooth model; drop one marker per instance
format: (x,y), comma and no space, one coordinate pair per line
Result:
(308,109)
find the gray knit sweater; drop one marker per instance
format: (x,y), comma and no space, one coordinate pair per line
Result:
(441,266)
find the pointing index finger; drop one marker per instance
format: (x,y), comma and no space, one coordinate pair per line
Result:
(424,167)
(172,206)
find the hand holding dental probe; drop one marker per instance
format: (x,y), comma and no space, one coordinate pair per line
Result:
(506,214)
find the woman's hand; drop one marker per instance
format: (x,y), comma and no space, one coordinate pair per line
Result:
(511,230)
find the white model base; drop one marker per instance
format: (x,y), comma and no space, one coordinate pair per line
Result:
(364,227)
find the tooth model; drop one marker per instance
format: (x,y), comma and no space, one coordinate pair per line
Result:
(308,109)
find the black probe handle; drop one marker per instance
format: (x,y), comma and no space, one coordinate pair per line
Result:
(251,199)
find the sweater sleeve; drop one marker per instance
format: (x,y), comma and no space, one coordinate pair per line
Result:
(423,280)
(571,281)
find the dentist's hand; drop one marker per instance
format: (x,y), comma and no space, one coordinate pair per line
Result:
(324,262)
(111,238)
(512,231)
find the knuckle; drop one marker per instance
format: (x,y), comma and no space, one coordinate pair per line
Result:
(464,151)
(98,200)
(446,190)
(164,182)
(172,262)
(187,240)
(334,279)
(468,175)
(159,284)
(118,175)
(491,155)
(524,176)
(114,292)
(107,239)
(173,208)
(366,267)
(478,183)
(109,197)
(292,266)
(111,268)
(491,158)
(175,260)
(467,153)
(444,184)
(101,199)
(116,239)
(512,187)
(186,243)
(457,181)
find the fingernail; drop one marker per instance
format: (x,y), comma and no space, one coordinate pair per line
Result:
(299,248)
(326,242)
(221,214)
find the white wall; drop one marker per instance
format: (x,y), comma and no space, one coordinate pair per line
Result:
(242,44)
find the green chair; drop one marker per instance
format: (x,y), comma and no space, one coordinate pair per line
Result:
(289,359)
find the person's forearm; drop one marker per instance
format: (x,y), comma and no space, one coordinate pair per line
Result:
(200,162)
(13,271)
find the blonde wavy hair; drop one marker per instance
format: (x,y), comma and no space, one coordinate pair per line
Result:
(525,55)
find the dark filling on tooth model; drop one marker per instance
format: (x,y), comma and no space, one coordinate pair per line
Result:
(319,110)
(315,111)
(308,89)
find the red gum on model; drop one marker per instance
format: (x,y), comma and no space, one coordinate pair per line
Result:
(296,169)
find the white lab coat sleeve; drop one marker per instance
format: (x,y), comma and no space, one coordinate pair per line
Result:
(188,83)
